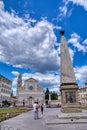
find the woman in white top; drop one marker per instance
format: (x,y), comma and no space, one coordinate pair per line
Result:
(35,108)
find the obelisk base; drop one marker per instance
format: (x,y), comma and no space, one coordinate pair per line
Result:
(71,109)
(70,99)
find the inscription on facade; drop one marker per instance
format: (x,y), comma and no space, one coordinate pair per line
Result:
(70,97)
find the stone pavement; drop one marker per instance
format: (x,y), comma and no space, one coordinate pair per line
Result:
(25,121)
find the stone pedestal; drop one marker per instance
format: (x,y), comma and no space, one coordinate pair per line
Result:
(68,86)
(69,98)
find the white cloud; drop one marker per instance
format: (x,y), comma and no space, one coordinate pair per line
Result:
(58,27)
(85,42)
(49,80)
(79,2)
(75,41)
(63,10)
(1,5)
(55,89)
(71,54)
(81,73)
(23,45)
(14,83)
(15,73)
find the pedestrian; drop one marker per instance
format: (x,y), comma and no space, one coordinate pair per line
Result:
(23,103)
(42,108)
(35,108)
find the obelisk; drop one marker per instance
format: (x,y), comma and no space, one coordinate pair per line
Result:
(68,85)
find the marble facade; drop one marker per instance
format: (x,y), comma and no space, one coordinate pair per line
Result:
(30,92)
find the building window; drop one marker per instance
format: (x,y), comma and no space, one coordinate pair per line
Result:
(30,87)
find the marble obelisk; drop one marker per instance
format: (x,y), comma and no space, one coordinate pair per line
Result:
(68,85)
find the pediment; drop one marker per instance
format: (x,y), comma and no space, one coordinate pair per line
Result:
(31,80)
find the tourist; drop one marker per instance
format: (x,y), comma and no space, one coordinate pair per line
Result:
(42,108)
(35,108)
(23,103)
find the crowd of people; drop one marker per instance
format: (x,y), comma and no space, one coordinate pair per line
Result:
(36,108)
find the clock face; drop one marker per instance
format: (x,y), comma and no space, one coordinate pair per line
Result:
(30,87)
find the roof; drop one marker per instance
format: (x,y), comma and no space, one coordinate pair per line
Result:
(14,97)
(39,88)
(1,76)
(31,80)
(80,87)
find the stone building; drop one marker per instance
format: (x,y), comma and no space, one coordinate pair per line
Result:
(30,92)
(83,95)
(13,100)
(5,90)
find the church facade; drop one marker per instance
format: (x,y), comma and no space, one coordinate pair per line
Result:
(30,92)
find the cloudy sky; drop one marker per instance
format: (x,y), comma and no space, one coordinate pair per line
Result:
(30,40)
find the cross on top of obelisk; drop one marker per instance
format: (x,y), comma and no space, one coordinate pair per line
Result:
(62,32)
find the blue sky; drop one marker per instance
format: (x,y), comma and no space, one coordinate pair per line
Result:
(30,40)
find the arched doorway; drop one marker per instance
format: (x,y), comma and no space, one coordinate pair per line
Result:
(30,101)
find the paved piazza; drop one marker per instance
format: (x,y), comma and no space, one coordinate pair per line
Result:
(25,121)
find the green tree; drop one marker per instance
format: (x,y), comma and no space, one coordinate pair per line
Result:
(47,94)
(54,96)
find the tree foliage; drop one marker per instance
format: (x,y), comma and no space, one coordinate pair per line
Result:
(54,95)
(47,94)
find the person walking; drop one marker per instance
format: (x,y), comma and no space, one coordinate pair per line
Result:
(35,108)
(42,108)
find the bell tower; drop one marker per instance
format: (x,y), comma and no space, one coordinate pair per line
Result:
(19,83)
